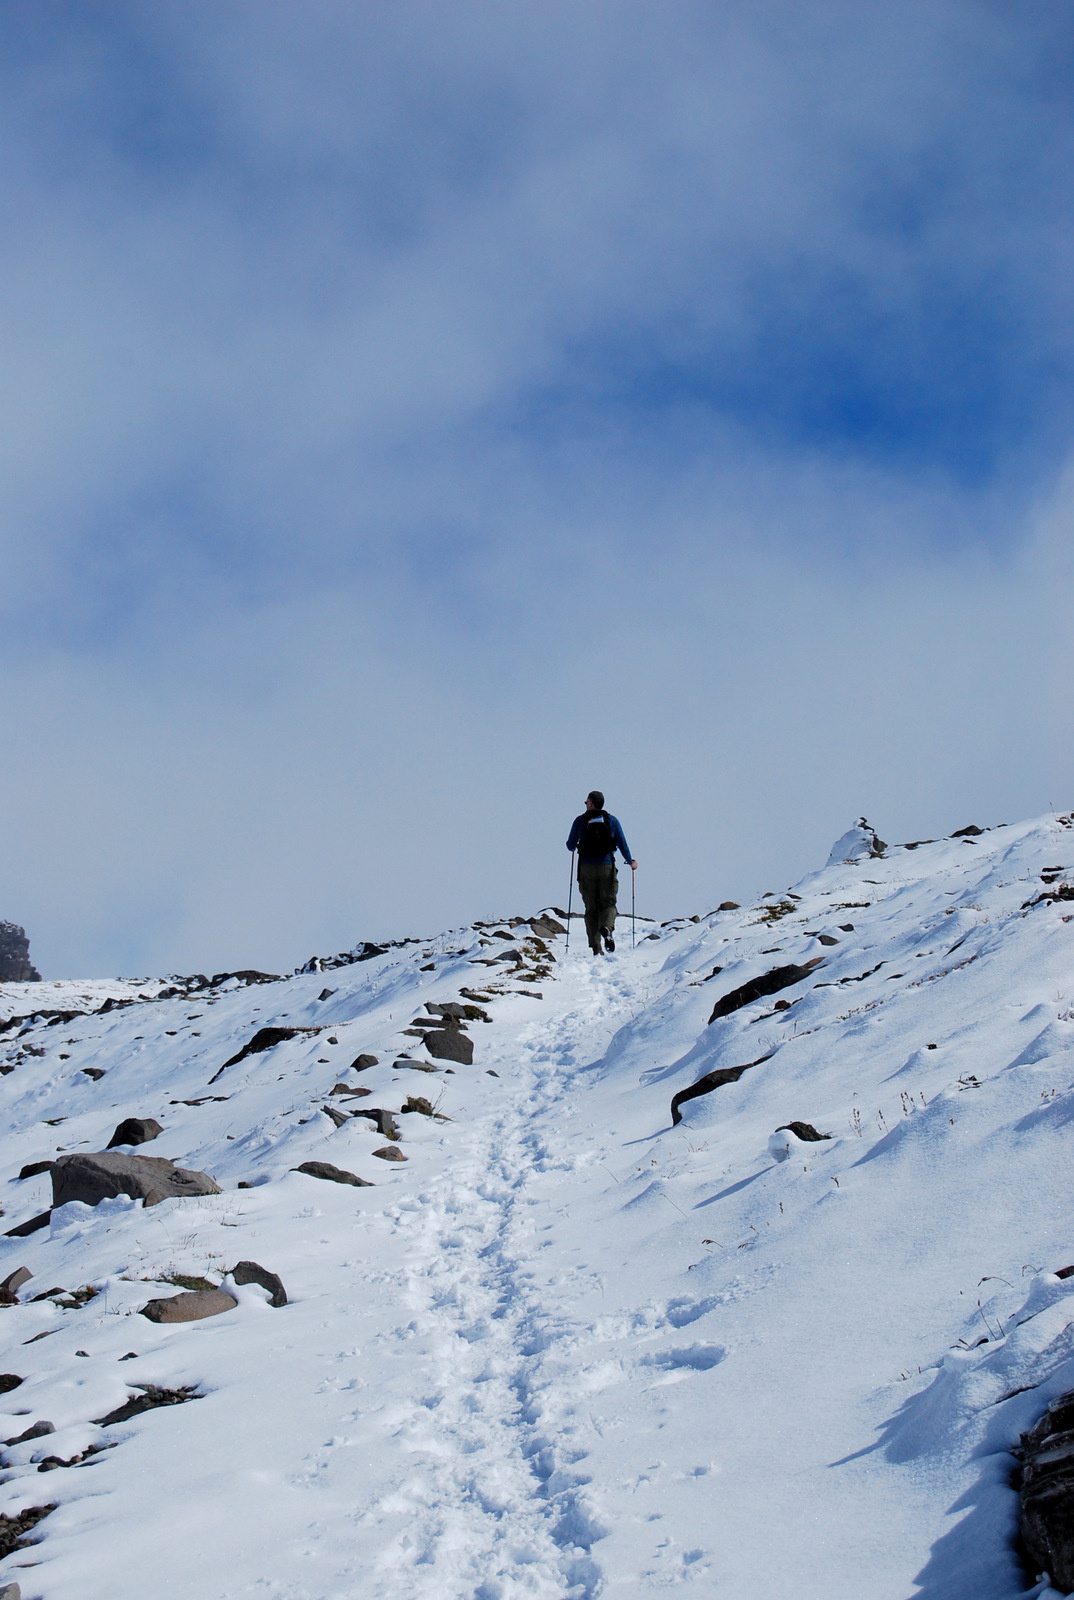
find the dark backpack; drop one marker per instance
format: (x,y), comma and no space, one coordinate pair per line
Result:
(597,839)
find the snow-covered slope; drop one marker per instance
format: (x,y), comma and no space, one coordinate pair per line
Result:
(566,1348)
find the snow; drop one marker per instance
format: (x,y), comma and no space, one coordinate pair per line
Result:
(566,1350)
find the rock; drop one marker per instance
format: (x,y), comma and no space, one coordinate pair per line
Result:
(1047,1493)
(96,1073)
(9,1381)
(10,1591)
(390,1152)
(263,1039)
(150,1398)
(34,1168)
(14,1529)
(135,1130)
(547,927)
(363,1063)
(826,938)
(251,1272)
(191,1306)
(37,1430)
(970,832)
(458,1010)
(15,963)
(107,1173)
(858,841)
(13,1283)
(712,1080)
(803,1130)
(324,1169)
(22,1230)
(728,905)
(338,1117)
(757,988)
(385,1120)
(417,1102)
(450,1045)
(326,994)
(246,975)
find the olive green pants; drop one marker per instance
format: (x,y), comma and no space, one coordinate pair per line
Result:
(599,883)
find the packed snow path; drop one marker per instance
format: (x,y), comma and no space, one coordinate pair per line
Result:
(567,1350)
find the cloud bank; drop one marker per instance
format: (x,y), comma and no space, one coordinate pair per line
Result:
(414,416)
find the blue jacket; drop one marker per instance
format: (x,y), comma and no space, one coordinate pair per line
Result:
(618,837)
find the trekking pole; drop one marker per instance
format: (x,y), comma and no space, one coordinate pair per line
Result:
(632,872)
(570,891)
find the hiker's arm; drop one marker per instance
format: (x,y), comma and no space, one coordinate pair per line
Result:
(620,841)
(572,837)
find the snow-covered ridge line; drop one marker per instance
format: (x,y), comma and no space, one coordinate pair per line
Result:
(563,1348)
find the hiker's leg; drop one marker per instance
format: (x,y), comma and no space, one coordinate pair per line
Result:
(609,891)
(589,884)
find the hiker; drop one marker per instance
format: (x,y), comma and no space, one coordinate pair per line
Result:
(597,835)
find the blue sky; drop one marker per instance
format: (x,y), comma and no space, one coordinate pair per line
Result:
(415,415)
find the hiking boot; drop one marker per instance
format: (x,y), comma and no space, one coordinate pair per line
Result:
(609,942)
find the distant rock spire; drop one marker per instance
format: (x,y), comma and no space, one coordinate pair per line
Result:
(15,963)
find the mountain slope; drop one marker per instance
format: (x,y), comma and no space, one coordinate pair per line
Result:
(567,1348)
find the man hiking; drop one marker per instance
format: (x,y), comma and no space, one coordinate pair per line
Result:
(597,835)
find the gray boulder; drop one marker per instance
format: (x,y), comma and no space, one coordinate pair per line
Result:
(390,1152)
(325,1169)
(450,1044)
(190,1306)
(252,1272)
(11,1285)
(107,1173)
(136,1130)
(385,1120)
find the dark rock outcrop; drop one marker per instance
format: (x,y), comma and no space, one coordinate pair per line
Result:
(253,1272)
(390,1152)
(13,1531)
(802,1130)
(450,1044)
(36,1430)
(191,1306)
(263,1039)
(135,1130)
(33,1169)
(712,1080)
(546,927)
(363,1063)
(325,1169)
(15,963)
(770,982)
(9,1381)
(1047,1493)
(107,1173)
(22,1230)
(150,1398)
(385,1120)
